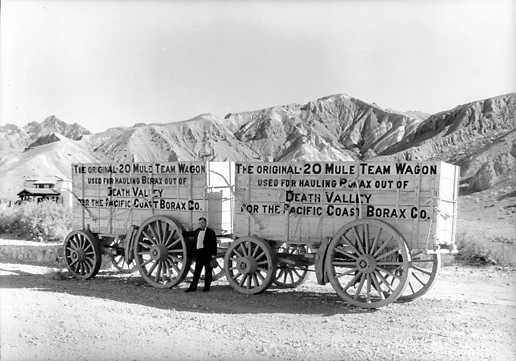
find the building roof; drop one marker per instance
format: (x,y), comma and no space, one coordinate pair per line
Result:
(39,192)
(45,179)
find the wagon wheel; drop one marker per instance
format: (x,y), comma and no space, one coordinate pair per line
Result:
(423,272)
(119,261)
(250,265)
(289,276)
(160,252)
(361,257)
(82,254)
(217,274)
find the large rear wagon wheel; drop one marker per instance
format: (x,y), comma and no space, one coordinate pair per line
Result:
(423,272)
(361,258)
(82,254)
(250,265)
(160,252)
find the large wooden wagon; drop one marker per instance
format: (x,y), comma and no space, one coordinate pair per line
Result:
(374,230)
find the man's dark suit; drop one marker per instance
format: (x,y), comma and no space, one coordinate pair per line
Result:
(203,257)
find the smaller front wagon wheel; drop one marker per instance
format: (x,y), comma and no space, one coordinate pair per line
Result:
(82,254)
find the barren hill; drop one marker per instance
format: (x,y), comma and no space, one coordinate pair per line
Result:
(51,159)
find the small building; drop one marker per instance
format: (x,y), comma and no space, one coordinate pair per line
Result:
(37,189)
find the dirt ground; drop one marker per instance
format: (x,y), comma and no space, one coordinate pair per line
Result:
(468,315)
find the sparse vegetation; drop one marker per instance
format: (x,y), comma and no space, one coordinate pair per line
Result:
(486,251)
(44,221)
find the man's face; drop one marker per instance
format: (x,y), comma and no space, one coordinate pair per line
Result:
(202,223)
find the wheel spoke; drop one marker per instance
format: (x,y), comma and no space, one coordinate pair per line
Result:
(291,275)
(377,286)
(144,263)
(345,253)
(256,249)
(262,254)
(158,273)
(241,283)
(376,239)
(418,279)
(164,227)
(255,279)
(422,270)
(386,254)
(360,285)
(411,288)
(388,272)
(368,288)
(390,264)
(382,246)
(172,263)
(357,238)
(237,253)
(297,274)
(150,238)
(157,226)
(383,280)
(151,229)
(82,241)
(171,246)
(350,244)
(153,267)
(366,237)
(352,282)
(242,248)
(278,276)
(340,263)
(259,274)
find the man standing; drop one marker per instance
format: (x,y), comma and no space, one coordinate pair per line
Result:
(205,252)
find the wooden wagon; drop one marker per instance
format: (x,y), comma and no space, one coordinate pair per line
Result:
(374,230)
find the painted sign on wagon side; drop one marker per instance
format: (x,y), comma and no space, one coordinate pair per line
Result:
(110,197)
(307,201)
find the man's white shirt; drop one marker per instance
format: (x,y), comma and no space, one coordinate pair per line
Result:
(200,239)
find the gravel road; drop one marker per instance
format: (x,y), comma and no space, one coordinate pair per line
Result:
(468,315)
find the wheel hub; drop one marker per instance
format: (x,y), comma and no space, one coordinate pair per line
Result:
(246,265)
(159,252)
(79,255)
(366,264)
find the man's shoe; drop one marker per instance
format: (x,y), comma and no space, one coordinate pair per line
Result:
(190,290)
(206,289)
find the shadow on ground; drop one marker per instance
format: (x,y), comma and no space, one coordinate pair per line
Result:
(222,299)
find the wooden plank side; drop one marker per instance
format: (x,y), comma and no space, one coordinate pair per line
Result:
(278,201)
(115,196)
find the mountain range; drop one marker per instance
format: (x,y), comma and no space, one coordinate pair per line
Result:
(479,136)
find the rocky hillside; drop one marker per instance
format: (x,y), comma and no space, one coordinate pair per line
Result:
(203,137)
(479,136)
(13,138)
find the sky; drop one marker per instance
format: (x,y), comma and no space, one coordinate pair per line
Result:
(116,63)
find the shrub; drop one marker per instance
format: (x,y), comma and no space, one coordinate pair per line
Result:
(44,221)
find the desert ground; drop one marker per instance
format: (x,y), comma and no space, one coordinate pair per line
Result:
(468,315)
